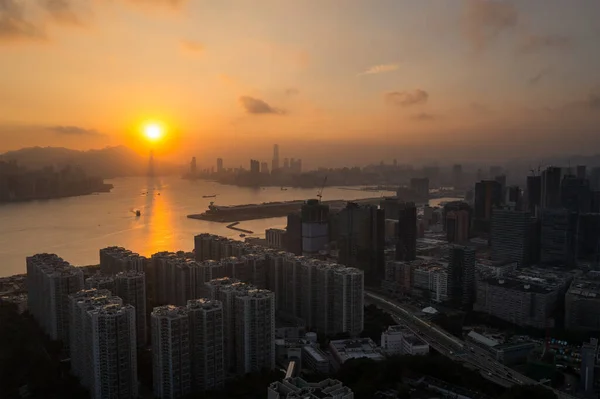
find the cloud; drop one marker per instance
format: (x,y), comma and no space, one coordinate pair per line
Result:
(537,78)
(532,44)
(292,92)
(75,131)
(423,117)
(192,46)
(406,98)
(14,25)
(62,11)
(257,106)
(383,68)
(484,20)
(169,3)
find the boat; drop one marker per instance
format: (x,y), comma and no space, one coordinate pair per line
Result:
(138,213)
(209,196)
(242,235)
(283,189)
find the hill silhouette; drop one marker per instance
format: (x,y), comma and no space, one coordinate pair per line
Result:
(107,163)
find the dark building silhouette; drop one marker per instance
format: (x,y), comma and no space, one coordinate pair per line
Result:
(254,166)
(557,236)
(457,176)
(588,237)
(193,167)
(514,197)
(420,186)
(220,165)
(581,172)
(551,182)
(457,226)
(361,240)
(488,194)
(534,193)
(461,276)
(293,236)
(456,206)
(510,236)
(406,246)
(575,194)
(535,234)
(315,226)
(275,162)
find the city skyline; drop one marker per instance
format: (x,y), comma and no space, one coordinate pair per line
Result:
(499,76)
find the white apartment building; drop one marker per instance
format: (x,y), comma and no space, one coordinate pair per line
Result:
(255,331)
(50,281)
(130,286)
(207,351)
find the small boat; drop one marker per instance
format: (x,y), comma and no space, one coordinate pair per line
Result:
(209,196)
(283,189)
(138,213)
(242,235)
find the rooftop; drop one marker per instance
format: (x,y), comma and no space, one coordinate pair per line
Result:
(356,348)
(586,286)
(170,312)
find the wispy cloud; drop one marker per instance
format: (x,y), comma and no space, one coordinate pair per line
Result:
(13,24)
(192,46)
(532,44)
(62,11)
(423,117)
(382,68)
(75,131)
(257,106)
(537,78)
(406,98)
(484,20)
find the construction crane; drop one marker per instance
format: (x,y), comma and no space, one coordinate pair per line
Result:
(320,192)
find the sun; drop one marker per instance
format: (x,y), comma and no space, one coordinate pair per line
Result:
(153,131)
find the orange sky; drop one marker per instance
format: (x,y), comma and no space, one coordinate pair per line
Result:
(335,80)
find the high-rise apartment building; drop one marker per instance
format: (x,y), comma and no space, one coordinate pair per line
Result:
(315,223)
(255,331)
(130,286)
(275,163)
(254,166)
(589,367)
(50,281)
(362,239)
(206,344)
(293,236)
(588,237)
(510,235)
(461,275)
(264,168)
(420,186)
(117,259)
(575,194)
(100,281)
(171,363)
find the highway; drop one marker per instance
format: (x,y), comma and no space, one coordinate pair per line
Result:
(458,350)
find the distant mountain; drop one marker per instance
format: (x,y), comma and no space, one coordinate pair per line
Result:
(107,163)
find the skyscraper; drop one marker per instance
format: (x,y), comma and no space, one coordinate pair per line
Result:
(254,166)
(219,165)
(130,286)
(510,234)
(406,247)
(551,181)
(420,185)
(50,281)
(315,223)
(193,167)
(362,239)
(461,275)
(275,163)
(557,236)
(534,193)
(488,194)
(457,226)
(293,236)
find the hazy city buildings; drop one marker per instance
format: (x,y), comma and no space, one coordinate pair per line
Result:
(534,193)
(130,286)
(275,162)
(117,259)
(275,238)
(220,168)
(399,340)
(299,388)
(551,181)
(582,303)
(406,246)
(461,275)
(557,236)
(457,226)
(50,281)
(488,195)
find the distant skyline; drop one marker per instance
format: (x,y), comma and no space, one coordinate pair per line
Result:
(331,81)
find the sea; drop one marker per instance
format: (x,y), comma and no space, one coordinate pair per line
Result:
(76,228)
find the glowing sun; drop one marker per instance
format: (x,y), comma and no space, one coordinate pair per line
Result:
(153,132)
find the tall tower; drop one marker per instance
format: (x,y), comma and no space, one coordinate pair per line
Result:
(193,167)
(275,164)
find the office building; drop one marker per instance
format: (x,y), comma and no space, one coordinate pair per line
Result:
(399,340)
(510,235)
(286,164)
(50,281)
(461,275)
(275,162)
(457,226)
(406,245)
(527,297)
(130,286)
(171,362)
(575,194)
(100,281)
(362,239)
(420,186)
(430,279)
(551,181)
(534,193)
(457,206)
(315,223)
(254,331)
(264,168)
(488,195)
(206,344)
(346,349)
(298,388)
(582,303)
(254,166)
(220,165)
(588,237)
(557,236)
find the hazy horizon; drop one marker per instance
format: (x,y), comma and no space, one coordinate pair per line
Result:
(332,82)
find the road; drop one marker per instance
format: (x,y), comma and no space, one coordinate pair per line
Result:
(458,350)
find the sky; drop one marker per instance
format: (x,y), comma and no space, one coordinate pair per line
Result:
(331,81)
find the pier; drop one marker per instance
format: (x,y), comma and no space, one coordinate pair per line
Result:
(232,227)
